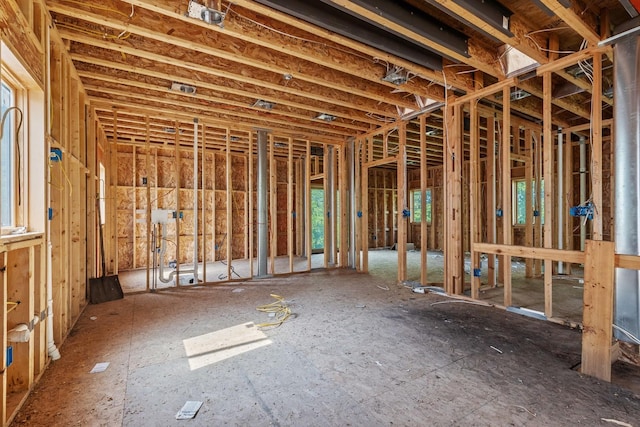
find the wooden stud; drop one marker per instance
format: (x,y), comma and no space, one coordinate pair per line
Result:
(474,196)
(507,218)
(548,170)
(202,205)
(596,148)
(529,218)
(491,198)
(290,209)
(364,191)
(423,201)
(453,154)
(598,309)
(148,205)
(177,202)
(229,194)
(273,204)
(402,203)
(568,197)
(250,197)
(307,214)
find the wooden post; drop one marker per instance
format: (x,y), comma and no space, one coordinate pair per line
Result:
(357,153)
(229,209)
(528,177)
(273,204)
(364,191)
(290,205)
(491,199)
(507,217)
(568,198)
(344,191)
(453,154)
(250,197)
(204,199)
(402,202)
(548,191)
(307,214)
(537,235)
(423,201)
(474,195)
(597,317)
(148,201)
(177,201)
(596,148)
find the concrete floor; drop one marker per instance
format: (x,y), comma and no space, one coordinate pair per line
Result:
(358,350)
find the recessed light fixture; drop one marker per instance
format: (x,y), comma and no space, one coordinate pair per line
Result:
(265,105)
(326,117)
(184,88)
(170,130)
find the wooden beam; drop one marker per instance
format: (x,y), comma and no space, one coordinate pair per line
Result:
(572,17)
(576,257)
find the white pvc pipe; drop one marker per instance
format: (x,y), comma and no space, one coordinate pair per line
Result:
(583,187)
(52,350)
(560,198)
(195,201)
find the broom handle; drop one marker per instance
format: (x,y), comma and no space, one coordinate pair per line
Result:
(104,264)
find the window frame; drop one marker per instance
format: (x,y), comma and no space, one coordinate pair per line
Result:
(515,204)
(428,205)
(16,146)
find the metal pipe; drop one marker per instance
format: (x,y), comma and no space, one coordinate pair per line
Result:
(560,199)
(627,182)
(262,203)
(583,187)
(195,201)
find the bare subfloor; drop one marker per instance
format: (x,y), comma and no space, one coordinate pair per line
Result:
(358,350)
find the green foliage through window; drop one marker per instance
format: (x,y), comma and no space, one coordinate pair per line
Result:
(520,205)
(416,205)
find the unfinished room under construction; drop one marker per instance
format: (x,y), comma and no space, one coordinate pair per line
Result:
(320,212)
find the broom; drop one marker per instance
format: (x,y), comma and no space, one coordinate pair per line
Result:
(104,288)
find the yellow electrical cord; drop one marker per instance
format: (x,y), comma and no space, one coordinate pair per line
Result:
(279,307)
(12,306)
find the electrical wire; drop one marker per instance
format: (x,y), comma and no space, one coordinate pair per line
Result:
(280,309)
(17,142)
(12,306)
(627,333)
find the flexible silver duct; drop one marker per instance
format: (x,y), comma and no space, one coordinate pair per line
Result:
(627,182)
(262,203)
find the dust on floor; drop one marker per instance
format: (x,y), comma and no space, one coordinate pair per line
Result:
(357,350)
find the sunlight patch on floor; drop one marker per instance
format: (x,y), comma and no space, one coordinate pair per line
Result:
(207,349)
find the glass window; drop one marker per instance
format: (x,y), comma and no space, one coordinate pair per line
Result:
(7,155)
(416,205)
(519,196)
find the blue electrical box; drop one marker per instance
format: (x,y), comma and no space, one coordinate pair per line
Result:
(582,211)
(9,355)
